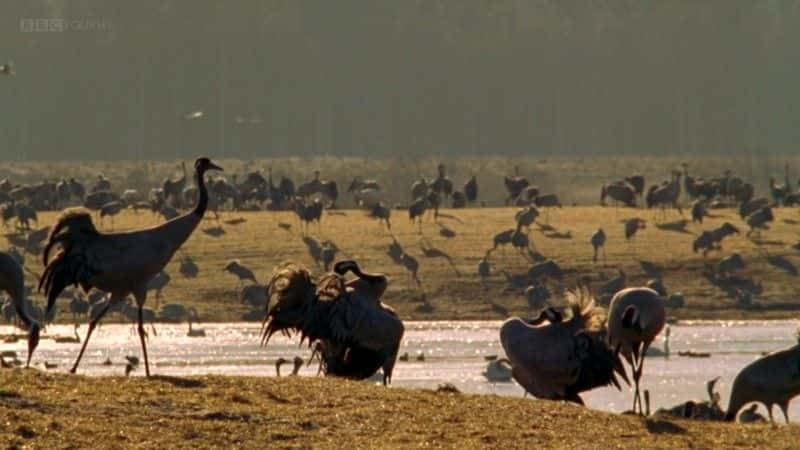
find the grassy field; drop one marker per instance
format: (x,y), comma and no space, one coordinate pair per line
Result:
(43,410)
(456,292)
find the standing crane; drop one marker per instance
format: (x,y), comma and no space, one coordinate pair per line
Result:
(635,317)
(117,263)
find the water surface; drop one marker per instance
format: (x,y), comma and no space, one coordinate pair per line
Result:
(454,352)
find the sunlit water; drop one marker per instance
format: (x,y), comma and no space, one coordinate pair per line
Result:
(454,352)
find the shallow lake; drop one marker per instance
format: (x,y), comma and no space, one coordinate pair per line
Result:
(454,352)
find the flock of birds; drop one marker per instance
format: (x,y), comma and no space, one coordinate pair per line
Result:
(558,355)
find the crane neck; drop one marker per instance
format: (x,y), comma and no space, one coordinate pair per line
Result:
(202,199)
(19,306)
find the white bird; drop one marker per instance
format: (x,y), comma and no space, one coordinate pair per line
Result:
(194,115)
(117,263)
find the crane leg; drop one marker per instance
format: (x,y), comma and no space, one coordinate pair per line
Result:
(92,324)
(785,410)
(140,299)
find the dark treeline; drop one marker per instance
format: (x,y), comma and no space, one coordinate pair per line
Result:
(375,77)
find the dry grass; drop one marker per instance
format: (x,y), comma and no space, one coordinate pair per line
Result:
(260,244)
(39,410)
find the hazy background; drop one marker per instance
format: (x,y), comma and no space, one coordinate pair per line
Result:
(372,77)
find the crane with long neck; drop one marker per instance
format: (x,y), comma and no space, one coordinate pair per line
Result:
(117,263)
(12,280)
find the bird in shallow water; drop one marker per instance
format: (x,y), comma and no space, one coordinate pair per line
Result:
(560,355)
(355,334)
(117,263)
(635,317)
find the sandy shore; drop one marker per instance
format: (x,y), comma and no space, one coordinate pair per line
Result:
(42,410)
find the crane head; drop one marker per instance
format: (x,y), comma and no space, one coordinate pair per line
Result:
(33,340)
(630,317)
(204,164)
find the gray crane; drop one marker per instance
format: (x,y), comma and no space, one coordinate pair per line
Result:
(117,263)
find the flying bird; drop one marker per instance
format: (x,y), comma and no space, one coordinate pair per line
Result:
(7,69)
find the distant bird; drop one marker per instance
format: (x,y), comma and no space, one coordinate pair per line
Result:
(416,210)
(412,267)
(12,281)
(503,238)
(484,270)
(285,226)
(699,409)
(712,240)
(446,232)
(298,363)
(458,200)
(558,359)
(520,241)
(546,269)
(598,241)
(657,285)
(620,193)
(650,268)
(771,380)
(158,283)
(190,318)
(615,284)
(730,263)
(751,206)
(432,252)
(498,370)
(381,212)
(241,272)
(254,295)
(118,263)
(751,415)
(547,201)
(759,220)
(515,185)
(526,217)
(635,317)
(327,254)
(235,221)
(442,185)
(471,190)
(419,189)
(76,339)
(7,68)
(779,191)
(537,295)
(194,115)
(632,226)
(783,263)
(78,306)
(188,267)
(678,226)
(214,232)
(699,210)
(637,182)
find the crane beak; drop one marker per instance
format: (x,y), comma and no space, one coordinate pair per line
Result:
(213,166)
(33,341)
